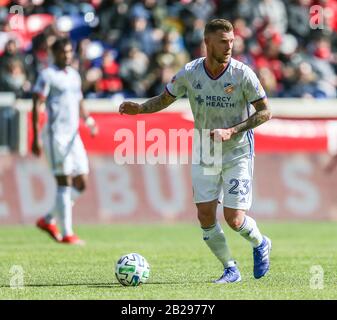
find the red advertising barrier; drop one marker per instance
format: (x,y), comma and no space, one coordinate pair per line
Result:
(275,136)
(292,186)
(289,183)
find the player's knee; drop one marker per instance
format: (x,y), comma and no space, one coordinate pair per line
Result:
(80,187)
(80,184)
(234,222)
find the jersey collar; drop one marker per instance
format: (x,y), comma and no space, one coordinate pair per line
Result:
(220,75)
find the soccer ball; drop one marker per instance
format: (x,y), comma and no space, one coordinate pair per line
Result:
(132,269)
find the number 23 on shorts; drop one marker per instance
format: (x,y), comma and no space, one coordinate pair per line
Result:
(239,186)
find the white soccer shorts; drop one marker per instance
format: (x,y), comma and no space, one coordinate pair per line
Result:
(234,180)
(66,157)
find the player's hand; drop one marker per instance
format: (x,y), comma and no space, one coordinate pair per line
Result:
(37,148)
(91,124)
(94,130)
(220,135)
(131,108)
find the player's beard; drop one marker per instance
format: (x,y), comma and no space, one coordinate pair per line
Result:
(221,59)
(63,63)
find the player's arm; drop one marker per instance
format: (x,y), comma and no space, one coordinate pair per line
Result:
(152,105)
(262,114)
(38,101)
(88,120)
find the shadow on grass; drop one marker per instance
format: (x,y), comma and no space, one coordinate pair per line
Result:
(150,284)
(38,285)
(102,285)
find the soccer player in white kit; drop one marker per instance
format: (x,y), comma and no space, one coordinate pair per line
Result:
(222,93)
(59,87)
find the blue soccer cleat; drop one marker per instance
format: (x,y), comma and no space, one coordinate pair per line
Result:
(261,258)
(230,275)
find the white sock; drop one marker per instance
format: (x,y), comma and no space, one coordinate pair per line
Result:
(64,206)
(74,195)
(50,217)
(251,232)
(216,241)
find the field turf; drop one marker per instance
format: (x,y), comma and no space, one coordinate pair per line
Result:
(181,265)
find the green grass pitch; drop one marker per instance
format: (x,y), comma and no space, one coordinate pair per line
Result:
(182,267)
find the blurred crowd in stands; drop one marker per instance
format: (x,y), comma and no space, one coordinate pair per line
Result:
(132,48)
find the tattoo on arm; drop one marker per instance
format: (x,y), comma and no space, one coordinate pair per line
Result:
(157,103)
(261,115)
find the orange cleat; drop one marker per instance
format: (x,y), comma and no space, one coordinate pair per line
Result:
(73,239)
(50,228)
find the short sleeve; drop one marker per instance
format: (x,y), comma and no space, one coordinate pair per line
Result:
(176,87)
(252,87)
(42,85)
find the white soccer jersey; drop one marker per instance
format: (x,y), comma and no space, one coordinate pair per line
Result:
(220,102)
(63,146)
(62,90)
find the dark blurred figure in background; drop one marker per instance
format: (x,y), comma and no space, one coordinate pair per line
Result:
(167,62)
(141,33)
(110,82)
(13,79)
(134,67)
(10,52)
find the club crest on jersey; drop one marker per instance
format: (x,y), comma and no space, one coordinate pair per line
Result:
(228,88)
(196,85)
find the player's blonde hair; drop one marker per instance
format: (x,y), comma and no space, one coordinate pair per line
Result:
(218,24)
